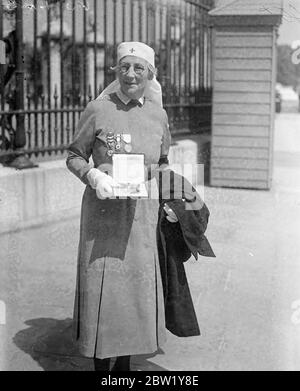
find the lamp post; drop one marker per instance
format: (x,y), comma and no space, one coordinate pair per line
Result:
(20,160)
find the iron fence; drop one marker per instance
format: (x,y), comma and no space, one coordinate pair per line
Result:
(59,54)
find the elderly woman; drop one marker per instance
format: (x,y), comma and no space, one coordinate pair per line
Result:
(119,307)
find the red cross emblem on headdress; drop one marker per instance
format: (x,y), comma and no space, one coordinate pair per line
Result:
(132,50)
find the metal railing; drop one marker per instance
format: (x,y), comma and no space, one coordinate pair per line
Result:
(59,55)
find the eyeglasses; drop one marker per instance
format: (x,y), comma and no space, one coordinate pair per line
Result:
(139,69)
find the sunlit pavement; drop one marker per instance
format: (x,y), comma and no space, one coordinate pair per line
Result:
(247,299)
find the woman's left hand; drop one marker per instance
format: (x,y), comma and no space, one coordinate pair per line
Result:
(171,216)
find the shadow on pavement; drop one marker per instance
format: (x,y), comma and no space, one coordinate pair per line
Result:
(49,342)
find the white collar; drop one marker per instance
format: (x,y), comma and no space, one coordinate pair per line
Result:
(125,99)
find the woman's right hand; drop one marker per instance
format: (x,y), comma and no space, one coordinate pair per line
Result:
(104,187)
(101,182)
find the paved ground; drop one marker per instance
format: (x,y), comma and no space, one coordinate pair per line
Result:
(247,299)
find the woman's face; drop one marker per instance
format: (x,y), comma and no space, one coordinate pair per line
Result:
(133,76)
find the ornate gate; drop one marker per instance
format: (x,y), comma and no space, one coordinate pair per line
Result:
(59,54)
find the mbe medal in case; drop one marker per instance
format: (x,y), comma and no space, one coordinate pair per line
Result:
(129,174)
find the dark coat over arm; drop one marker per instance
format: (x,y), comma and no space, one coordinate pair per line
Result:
(176,243)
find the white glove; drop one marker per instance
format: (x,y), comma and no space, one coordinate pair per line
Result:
(101,182)
(171,216)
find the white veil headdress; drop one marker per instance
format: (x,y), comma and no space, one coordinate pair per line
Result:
(153,89)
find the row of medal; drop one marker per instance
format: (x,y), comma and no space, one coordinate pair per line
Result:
(115,142)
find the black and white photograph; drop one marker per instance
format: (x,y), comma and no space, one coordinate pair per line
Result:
(149,188)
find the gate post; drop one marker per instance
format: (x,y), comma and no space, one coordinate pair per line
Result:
(2,57)
(243,105)
(20,160)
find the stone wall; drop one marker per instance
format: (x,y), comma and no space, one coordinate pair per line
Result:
(50,192)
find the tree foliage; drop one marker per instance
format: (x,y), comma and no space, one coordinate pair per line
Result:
(287,73)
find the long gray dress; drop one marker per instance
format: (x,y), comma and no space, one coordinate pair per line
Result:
(119,307)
